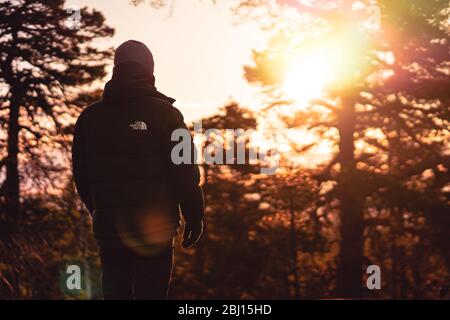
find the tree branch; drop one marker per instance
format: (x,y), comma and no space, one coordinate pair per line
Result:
(325,104)
(38,135)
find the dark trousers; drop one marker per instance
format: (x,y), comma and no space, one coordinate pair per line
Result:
(128,274)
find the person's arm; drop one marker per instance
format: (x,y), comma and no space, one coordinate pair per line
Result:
(79,165)
(186,182)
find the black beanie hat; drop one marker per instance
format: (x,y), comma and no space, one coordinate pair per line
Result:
(134,51)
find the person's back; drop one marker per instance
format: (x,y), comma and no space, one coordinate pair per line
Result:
(125,176)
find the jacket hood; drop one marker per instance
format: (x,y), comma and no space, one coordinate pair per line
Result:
(135,51)
(129,82)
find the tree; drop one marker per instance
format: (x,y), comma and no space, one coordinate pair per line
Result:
(387,116)
(231,116)
(293,197)
(47,63)
(402,92)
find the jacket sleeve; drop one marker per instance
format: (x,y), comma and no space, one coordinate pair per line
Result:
(186,176)
(80,165)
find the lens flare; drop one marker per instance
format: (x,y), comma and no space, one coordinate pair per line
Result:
(332,62)
(146,230)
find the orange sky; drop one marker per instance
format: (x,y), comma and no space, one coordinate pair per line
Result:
(199,50)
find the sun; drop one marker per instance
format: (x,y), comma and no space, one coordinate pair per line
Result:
(336,60)
(308,76)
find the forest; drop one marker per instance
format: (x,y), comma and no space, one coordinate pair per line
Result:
(356,99)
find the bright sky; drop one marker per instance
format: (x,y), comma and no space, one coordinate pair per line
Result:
(199,50)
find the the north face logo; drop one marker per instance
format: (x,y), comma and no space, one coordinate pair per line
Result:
(138,125)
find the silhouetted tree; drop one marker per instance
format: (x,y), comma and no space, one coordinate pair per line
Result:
(405,97)
(294,199)
(231,116)
(48,60)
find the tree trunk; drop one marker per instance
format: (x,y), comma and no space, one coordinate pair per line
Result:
(294,248)
(12,192)
(12,182)
(349,272)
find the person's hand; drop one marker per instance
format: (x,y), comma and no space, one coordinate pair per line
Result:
(192,233)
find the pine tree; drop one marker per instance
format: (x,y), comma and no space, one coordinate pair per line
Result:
(406,98)
(48,60)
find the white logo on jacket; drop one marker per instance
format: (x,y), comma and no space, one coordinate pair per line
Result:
(138,125)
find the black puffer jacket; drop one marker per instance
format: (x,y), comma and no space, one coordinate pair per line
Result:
(121,161)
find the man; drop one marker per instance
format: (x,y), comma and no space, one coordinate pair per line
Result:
(125,176)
